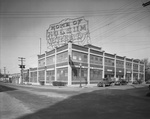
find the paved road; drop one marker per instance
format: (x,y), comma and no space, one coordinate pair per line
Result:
(10,107)
(36,102)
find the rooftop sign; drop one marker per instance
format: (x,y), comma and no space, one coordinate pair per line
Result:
(74,30)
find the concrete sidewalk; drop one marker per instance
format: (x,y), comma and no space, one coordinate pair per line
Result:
(84,87)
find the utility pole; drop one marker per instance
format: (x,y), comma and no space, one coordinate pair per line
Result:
(40,46)
(4,73)
(22,66)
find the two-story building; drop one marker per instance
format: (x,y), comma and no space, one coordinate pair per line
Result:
(88,64)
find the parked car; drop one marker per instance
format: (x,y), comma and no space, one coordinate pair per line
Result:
(148,82)
(135,82)
(104,82)
(121,82)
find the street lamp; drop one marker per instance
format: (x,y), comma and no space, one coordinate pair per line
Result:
(80,74)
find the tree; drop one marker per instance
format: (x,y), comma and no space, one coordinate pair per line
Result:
(147,69)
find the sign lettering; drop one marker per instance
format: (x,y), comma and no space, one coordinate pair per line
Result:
(67,30)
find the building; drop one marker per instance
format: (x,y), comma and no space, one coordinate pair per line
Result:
(70,62)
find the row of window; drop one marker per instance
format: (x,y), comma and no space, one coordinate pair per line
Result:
(96,59)
(109,62)
(83,57)
(78,56)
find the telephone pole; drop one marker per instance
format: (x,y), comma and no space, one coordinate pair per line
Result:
(40,46)
(4,73)
(22,66)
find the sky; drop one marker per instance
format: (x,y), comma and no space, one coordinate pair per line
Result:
(120,27)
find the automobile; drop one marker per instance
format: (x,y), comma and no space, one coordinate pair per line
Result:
(121,82)
(135,82)
(104,82)
(148,82)
(117,83)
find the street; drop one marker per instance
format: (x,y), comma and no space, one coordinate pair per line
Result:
(31,102)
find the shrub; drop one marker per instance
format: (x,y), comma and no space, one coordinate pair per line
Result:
(59,83)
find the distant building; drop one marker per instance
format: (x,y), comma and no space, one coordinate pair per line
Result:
(15,78)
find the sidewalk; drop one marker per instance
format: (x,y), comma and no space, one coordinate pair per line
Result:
(84,87)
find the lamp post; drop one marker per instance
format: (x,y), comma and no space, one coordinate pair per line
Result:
(80,74)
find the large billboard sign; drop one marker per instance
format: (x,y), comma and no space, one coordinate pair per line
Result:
(75,30)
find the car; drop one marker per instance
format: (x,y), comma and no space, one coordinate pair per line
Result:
(104,82)
(121,82)
(117,83)
(135,82)
(148,82)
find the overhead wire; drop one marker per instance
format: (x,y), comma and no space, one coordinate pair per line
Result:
(135,50)
(115,19)
(126,35)
(125,24)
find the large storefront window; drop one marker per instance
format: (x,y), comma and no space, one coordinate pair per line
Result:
(41,75)
(50,60)
(141,77)
(128,77)
(76,75)
(119,73)
(135,76)
(62,57)
(109,73)
(79,57)
(50,77)
(62,74)
(141,68)
(95,75)
(33,77)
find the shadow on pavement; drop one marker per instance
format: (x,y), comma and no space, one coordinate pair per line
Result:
(6,88)
(104,104)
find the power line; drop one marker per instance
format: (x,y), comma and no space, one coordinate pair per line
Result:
(125,24)
(136,50)
(118,17)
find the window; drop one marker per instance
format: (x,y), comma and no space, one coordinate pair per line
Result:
(95,74)
(62,74)
(50,76)
(85,56)
(109,62)
(41,75)
(76,74)
(79,57)
(95,59)
(50,60)
(41,62)
(119,63)
(62,57)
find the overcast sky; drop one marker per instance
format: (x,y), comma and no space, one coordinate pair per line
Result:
(120,27)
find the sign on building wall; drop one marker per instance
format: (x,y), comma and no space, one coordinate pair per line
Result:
(75,30)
